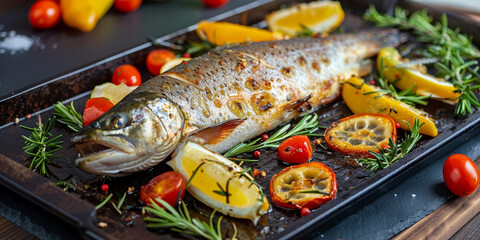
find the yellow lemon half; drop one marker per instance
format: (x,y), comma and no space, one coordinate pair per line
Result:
(212,177)
(319,16)
(353,95)
(172,63)
(405,78)
(112,92)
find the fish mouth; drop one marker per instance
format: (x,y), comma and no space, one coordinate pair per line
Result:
(112,156)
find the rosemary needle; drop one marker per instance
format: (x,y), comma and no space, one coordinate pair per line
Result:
(68,115)
(41,145)
(181,221)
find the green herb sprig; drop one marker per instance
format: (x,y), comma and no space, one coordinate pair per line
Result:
(306,126)
(388,156)
(180,221)
(449,45)
(41,145)
(407,96)
(68,115)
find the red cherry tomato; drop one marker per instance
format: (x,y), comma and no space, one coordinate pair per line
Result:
(94,108)
(296,149)
(215,3)
(157,58)
(127,5)
(165,186)
(44,14)
(460,175)
(127,74)
(305,211)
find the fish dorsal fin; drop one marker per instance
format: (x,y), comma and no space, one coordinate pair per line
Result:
(296,104)
(217,133)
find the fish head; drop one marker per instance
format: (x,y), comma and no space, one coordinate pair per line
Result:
(137,133)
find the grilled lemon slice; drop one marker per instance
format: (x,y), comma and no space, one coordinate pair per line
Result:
(319,16)
(219,183)
(353,95)
(172,63)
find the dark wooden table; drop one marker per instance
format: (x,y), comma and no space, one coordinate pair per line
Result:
(421,198)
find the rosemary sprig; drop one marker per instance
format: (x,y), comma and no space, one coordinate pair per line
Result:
(199,48)
(306,126)
(68,115)
(100,205)
(40,146)
(306,32)
(180,221)
(388,156)
(407,96)
(449,45)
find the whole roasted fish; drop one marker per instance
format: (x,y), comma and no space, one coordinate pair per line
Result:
(227,96)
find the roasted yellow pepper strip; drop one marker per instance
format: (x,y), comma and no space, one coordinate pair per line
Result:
(84,14)
(404,78)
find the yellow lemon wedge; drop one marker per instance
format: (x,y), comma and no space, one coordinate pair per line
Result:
(172,63)
(319,16)
(405,78)
(220,33)
(353,93)
(219,183)
(112,92)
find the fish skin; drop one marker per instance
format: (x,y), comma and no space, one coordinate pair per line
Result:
(258,83)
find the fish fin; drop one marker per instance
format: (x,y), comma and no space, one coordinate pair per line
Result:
(297,104)
(217,133)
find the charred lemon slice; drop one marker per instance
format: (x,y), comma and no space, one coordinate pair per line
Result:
(172,63)
(405,78)
(112,92)
(353,93)
(357,134)
(319,16)
(220,183)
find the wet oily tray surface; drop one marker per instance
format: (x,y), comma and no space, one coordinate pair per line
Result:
(77,207)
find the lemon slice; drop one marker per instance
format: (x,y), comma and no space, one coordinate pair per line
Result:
(320,16)
(220,33)
(112,92)
(172,63)
(353,95)
(212,172)
(404,78)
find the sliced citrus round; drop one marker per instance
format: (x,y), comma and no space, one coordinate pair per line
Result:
(112,92)
(318,16)
(360,133)
(172,63)
(405,78)
(219,183)
(220,33)
(354,94)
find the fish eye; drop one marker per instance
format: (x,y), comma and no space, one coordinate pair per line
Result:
(119,122)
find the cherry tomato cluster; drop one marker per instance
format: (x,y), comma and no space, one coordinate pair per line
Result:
(45,14)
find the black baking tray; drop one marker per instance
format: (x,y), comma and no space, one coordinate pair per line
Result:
(77,208)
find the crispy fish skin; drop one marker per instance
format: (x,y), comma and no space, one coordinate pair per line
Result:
(227,96)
